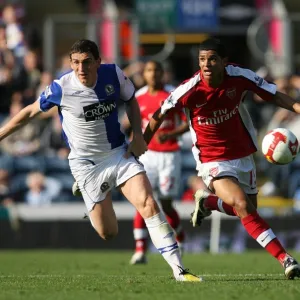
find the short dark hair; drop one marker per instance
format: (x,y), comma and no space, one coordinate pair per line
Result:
(84,46)
(215,45)
(157,63)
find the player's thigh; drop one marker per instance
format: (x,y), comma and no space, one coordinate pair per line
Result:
(150,163)
(137,189)
(169,175)
(103,218)
(228,189)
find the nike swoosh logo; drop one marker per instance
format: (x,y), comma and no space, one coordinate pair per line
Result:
(199,105)
(264,238)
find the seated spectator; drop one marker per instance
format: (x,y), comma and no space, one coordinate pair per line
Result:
(20,151)
(52,141)
(14,32)
(42,190)
(32,76)
(6,193)
(64,66)
(24,142)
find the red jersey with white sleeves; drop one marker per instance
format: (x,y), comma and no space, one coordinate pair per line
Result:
(220,124)
(148,105)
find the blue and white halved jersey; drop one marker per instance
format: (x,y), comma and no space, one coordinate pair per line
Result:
(89,116)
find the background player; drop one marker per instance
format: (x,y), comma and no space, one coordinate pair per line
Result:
(87,100)
(162,161)
(225,139)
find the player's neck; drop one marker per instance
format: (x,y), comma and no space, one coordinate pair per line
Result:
(214,82)
(152,90)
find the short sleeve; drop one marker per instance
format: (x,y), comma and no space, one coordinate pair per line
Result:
(178,97)
(51,96)
(262,88)
(253,82)
(127,89)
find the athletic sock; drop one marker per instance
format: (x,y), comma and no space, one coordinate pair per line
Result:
(174,220)
(263,234)
(162,236)
(212,202)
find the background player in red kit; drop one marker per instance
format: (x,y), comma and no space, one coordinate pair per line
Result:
(224,141)
(162,161)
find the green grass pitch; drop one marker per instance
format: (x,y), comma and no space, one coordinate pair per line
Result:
(88,275)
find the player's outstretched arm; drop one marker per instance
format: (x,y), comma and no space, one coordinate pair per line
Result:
(286,102)
(137,147)
(22,118)
(153,125)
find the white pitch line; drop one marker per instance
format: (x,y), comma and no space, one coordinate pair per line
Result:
(202,275)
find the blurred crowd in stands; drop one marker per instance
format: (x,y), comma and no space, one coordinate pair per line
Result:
(33,161)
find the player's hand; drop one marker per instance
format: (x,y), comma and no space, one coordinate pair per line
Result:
(137,147)
(162,137)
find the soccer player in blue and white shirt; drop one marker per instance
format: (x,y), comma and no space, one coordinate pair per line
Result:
(87,100)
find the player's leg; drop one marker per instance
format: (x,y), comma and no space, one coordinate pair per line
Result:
(103,218)
(138,191)
(206,201)
(173,219)
(169,167)
(95,181)
(140,231)
(229,189)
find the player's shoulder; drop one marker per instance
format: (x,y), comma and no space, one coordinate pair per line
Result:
(65,79)
(105,68)
(187,85)
(235,70)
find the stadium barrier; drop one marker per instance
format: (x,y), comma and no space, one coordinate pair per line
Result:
(63,226)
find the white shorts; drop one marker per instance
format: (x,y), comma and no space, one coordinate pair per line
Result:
(163,170)
(97,177)
(242,169)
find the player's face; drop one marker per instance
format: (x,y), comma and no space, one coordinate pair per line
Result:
(85,67)
(211,64)
(153,74)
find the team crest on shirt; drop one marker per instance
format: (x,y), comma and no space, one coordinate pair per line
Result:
(214,171)
(109,89)
(231,93)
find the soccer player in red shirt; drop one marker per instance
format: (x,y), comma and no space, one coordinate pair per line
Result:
(224,141)
(162,161)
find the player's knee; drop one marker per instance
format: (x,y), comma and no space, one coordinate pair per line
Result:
(149,208)
(240,205)
(108,235)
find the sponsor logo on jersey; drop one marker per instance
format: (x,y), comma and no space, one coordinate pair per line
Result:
(231,93)
(99,111)
(109,89)
(219,116)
